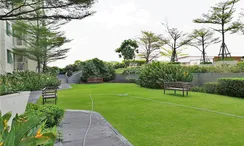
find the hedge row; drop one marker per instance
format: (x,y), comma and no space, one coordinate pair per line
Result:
(225,86)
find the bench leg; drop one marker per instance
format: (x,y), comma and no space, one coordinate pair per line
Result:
(43,101)
(164,91)
(55,101)
(187,92)
(183,93)
(175,92)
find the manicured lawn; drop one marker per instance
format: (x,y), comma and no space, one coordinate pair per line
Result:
(148,118)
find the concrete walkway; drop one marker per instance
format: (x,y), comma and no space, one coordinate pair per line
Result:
(101,133)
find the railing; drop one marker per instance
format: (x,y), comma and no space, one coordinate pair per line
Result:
(20,66)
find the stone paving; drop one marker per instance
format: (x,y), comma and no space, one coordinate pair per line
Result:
(101,133)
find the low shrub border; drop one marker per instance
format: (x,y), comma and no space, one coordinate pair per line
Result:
(211,87)
(231,87)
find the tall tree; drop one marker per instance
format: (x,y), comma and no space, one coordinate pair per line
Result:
(222,15)
(150,45)
(53,9)
(201,39)
(176,40)
(43,45)
(128,49)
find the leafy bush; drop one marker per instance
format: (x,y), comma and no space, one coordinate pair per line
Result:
(134,62)
(118,65)
(26,81)
(231,87)
(198,89)
(52,113)
(211,87)
(155,74)
(206,63)
(132,70)
(97,68)
(25,131)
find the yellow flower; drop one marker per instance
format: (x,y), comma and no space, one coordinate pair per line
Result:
(185,73)
(1,144)
(5,122)
(38,134)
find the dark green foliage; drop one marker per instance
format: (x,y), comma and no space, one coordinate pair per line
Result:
(135,62)
(206,63)
(52,113)
(97,68)
(198,89)
(174,63)
(128,49)
(211,87)
(231,87)
(155,74)
(132,70)
(26,81)
(119,65)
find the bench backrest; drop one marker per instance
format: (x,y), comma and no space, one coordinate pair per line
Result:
(184,85)
(95,80)
(49,91)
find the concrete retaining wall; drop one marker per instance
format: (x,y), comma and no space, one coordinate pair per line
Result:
(201,78)
(15,103)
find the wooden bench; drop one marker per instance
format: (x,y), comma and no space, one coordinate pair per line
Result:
(95,80)
(49,93)
(180,86)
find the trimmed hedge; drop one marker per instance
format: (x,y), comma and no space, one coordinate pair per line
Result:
(211,87)
(231,87)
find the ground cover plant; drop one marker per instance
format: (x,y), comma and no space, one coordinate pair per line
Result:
(147,117)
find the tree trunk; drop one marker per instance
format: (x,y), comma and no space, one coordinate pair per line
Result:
(44,68)
(38,66)
(173,57)
(223,43)
(203,50)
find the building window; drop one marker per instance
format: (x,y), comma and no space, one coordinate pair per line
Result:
(9,57)
(8,28)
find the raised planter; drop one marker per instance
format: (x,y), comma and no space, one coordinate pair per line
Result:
(95,80)
(233,62)
(15,103)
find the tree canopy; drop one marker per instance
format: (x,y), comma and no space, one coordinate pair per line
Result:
(202,39)
(150,45)
(222,15)
(53,9)
(128,49)
(176,40)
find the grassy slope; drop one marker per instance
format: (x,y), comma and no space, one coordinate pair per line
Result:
(148,123)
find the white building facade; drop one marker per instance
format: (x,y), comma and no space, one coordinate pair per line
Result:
(9,61)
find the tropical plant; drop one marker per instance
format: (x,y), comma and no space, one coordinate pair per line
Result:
(128,49)
(25,131)
(155,74)
(177,39)
(222,15)
(168,53)
(150,45)
(97,68)
(202,39)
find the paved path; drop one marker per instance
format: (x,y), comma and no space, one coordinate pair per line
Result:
(101,133)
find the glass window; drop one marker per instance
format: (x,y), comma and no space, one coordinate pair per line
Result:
(9,57)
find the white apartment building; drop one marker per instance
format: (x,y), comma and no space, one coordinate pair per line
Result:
(9,61)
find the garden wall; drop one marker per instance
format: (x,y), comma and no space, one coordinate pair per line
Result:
(201,78)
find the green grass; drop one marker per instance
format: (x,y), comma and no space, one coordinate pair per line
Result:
(150,123)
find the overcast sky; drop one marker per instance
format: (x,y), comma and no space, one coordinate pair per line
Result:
(117,20)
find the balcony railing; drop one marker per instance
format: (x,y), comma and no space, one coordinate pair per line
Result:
(20,66)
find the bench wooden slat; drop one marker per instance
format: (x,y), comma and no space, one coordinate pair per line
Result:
(180,86)
(49,93)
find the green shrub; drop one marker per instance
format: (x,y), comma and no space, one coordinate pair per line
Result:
(132,70)
(97,68)
(52,113)
(211,87)
(134,62)
(206,63)
(26,81)
(231,87)
(155,74)
(118,65)
(198,89)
